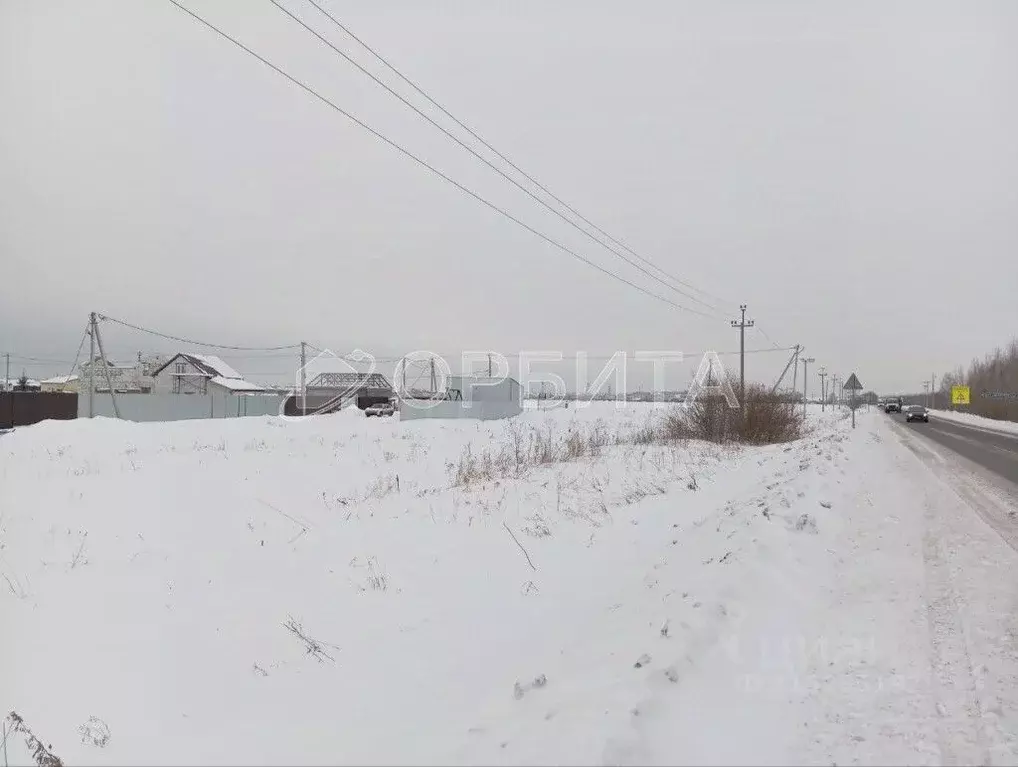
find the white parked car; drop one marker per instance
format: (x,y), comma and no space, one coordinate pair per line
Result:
(381,409)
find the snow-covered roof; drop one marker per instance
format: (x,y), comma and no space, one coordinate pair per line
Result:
(216,364)
(236,384)
(13,382)
(208,364)
(60,379)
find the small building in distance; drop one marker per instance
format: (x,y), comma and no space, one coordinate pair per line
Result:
(477,397)
(126,377)
(333,391)
(23,384)
(67,384)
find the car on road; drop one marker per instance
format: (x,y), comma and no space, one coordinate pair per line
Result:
(380,409)
(892,406)
(917,413)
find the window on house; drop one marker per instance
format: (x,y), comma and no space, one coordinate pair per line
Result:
(180,367)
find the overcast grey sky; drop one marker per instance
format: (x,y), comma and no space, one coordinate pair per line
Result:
(846,169)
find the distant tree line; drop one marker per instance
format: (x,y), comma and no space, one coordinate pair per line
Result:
(994,374)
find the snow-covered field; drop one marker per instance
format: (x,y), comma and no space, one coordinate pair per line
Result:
(268,591)
(968,419)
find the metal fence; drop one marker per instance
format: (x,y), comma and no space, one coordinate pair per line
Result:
(181,407)
(19,408)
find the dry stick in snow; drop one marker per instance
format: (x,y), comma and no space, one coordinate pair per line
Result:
(41,755)
(520,545)
(313,646)
(303,525)
(77,555)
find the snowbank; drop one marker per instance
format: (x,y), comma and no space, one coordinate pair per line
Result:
(1009,427)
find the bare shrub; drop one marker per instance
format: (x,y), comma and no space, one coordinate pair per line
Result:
(543,448)
(768,418)
(575,446)
(95,732)
(467,469)
(517,444)
(676,426)
(711,418)
(647,434)
(765,419)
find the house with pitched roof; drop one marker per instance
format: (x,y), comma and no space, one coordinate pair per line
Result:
(188,373)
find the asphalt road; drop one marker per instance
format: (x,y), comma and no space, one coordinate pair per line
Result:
(994,451)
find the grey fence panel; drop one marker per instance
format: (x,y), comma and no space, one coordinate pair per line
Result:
(181,407)
(483,411)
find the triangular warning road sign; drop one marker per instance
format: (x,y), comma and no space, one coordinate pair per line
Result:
(852,383)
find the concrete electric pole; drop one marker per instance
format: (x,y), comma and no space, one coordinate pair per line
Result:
(91,365)
(741,324)
(303,378)
(823,389)
(805,382)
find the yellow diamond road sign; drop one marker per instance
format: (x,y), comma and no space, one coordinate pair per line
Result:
(960,395)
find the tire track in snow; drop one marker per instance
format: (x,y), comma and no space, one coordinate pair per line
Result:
(959,705)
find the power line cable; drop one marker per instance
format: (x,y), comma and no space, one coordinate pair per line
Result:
(590,357)
(769,339)
(192,341)
(39,360)
(503,157)
(427,166)
(474,152)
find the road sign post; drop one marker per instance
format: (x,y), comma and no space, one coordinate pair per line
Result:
(960,395)
(852,385)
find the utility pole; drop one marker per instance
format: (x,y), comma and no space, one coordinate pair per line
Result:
(791,361)
(91,365)
(742,325)
(489,364)
(434,382)
(7,374)
(805,382)
(795,369)
(933,390)
(303,378)
(823,389)
(926,393)
(106,366)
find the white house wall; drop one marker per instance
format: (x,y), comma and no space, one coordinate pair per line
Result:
(485,389)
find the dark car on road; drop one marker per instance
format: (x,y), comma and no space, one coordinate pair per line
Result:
(916,413)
